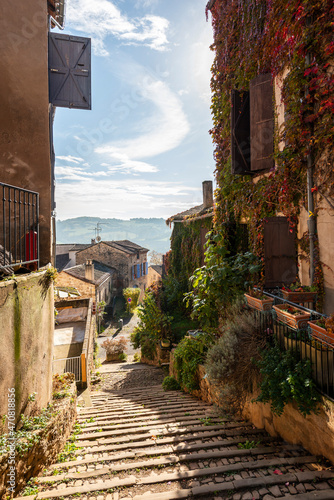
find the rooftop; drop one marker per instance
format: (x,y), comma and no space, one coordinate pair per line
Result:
(101,272)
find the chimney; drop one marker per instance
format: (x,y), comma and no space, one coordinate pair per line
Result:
(89,270)
(207,194)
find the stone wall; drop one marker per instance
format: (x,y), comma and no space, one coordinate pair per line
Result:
(26,340)
(314,432)
(161,356)
(50,441)
(87,290)
(108,255)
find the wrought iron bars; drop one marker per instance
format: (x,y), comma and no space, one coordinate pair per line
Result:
(19,229)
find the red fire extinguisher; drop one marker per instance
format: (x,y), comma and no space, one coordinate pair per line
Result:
(31,245)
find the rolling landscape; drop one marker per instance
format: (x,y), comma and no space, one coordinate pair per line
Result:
(151,233)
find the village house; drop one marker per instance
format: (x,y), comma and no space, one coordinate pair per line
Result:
(92,280)
(129,260)
(154,274)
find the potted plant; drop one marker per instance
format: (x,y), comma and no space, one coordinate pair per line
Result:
(292,316)
(323,329)
(295,292)
(257,300)
(115,349)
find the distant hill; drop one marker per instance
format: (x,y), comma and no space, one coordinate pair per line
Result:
(153,233)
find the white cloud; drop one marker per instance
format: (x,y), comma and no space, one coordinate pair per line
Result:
(73,159)
(120,198)
(164,131)
(101,18)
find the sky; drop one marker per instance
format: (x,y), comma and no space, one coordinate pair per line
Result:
(144,148)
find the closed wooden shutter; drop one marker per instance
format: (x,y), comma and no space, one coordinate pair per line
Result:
(240,130)
(138,271)
(69,71)
(261,123)
(279,252)
(146,267)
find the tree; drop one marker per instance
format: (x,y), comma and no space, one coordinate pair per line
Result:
(155,258)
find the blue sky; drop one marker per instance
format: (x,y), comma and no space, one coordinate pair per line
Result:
(144,149)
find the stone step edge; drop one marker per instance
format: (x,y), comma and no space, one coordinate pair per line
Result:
(238,484)
(143,414)
(177,426)
(148,421)
(161,406)
(172,436)
(175,449)
(172,460)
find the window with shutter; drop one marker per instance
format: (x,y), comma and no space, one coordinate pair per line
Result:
(279,252)
(261,123)
(146,267)
(138,270)
(69,71)
(240,130)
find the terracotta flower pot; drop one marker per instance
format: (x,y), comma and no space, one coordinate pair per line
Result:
(295,321)
(321,334)
(299,297)
(259,304)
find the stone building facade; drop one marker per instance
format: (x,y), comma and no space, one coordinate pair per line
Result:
(92,280)
(129,260)
(154,275)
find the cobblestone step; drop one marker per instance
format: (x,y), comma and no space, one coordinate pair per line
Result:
(146,444)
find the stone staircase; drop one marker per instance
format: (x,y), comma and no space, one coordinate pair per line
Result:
(147,444)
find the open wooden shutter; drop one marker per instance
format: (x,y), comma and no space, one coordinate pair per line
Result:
(69,71)
(279,252)
(240,129)
(261,123)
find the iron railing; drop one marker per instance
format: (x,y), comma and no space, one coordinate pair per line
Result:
(302,343)
(19,229)
(68,365)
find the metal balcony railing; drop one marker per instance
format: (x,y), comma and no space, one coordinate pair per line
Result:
(301,342)
(19,229)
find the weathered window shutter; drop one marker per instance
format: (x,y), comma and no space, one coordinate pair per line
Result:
(261,123)
(240,129)
(132,272)
(279,252)
(138,270)
(146,267)
(69,71)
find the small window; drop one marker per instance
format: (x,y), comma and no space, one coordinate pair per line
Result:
(137,255)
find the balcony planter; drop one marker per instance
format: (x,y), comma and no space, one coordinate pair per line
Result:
(299,297)
(165,344)
(293,317)
(259,304)
(322,334)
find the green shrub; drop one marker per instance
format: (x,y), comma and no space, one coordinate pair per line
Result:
(229,361)
(153,326)
(170,384)
(122,356)
(188,355)
(220,282)
(133,294)
(286,379)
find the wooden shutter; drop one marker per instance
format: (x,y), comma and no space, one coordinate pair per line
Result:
(240,129)
(279,252)
(138,271)
(69,71)
(261,123)
(146,267)
(132,273)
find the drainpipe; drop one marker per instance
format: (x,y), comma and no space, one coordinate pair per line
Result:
(310,201)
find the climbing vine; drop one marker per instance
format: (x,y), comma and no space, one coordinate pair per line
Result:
(292,40)
(185,255)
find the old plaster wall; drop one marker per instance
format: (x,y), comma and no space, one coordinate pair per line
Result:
(26,339)
(325,227)
(24,106)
